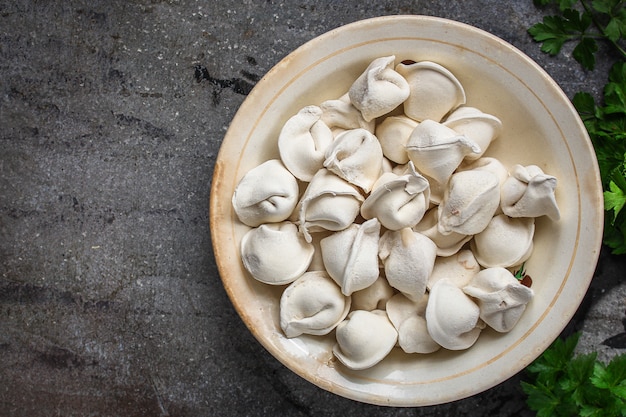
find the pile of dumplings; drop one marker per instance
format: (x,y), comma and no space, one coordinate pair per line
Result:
(385,222)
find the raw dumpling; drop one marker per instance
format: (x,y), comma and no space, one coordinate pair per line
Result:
(350,256)
(312,304)
(435,91)
(459,269)
(469,203)
(341,114)
(480,127)
(501,297)
(452,317)
(437,150)
(530,193)
(393,134)
(355,156)
(303,141)
(408,317)
(364,339)
(398,201)
(505,242)
(373,297)
(408,258)
(379,89)
(447,244)
(275,253)
(487,163)
(328,203)
(317,264)
(267,193)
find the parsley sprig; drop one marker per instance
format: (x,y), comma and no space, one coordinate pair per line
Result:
(607,128)
(585,23)
(562,384)
(600,20)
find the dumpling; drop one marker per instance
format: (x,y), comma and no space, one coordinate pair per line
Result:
(505,242)
(374,297)
(328,203)
(437,150)
(317,264)
(529,192)
(481,127)
(408,317)
(312,304)
(501,297)
(341,115)
(350,256)
(355,156)
(469,203)
(379,89)
(275,253)
(459,268)
(487,163)
(447,244)
(408,258)
(267,193)
(398,201)
(435,91)
(364,339)
(393,134)
(452,317)
(302,142)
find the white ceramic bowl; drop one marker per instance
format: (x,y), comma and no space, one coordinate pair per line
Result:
(540,127)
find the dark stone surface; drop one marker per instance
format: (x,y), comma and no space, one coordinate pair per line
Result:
(111,117)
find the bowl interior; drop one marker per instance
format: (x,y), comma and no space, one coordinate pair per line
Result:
(540,127)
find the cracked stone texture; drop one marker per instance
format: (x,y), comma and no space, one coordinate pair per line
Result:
(111,117)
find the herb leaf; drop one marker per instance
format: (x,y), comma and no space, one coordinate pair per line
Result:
(573,25)
(606,125)
(614,199)
(562,384)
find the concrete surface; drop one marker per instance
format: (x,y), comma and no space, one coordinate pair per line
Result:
(111,116)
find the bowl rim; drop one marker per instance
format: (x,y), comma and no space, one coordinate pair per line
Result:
(215,205)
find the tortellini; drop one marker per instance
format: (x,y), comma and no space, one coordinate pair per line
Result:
(275,253)
(408,258)
(379,89)
(529,192)
(266,194)
(355,156)
(470,201)
(313,304)
(437,150)
(408,317)
(452,317)
(350,256)
(500,297)
(364,339)
(398,201)
(386,224)
(328,203)
(303,141)
(435,91)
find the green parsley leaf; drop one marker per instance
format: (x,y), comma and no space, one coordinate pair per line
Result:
(540,399)
(612,376)
(563,4)
(551,33)
(582,386)
(567,4)
(604,6)
(614,199)
(584,53)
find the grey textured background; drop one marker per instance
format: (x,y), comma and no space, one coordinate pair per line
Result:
(111,117)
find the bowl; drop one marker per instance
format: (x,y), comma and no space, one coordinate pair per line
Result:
(540,126)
